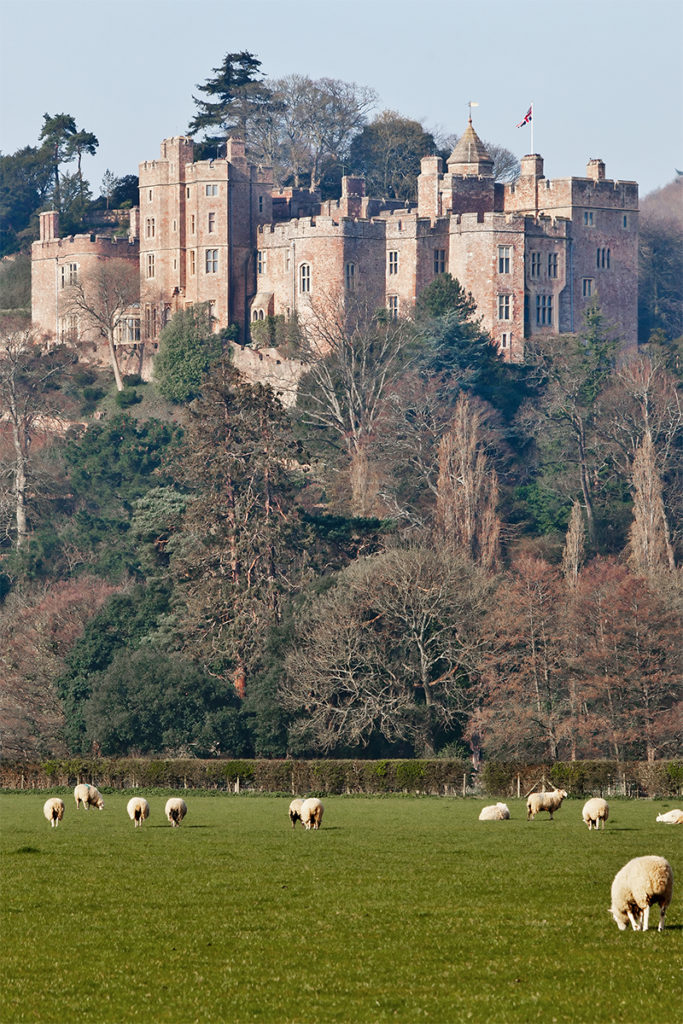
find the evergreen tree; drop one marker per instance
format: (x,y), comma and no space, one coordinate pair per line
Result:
(236,96)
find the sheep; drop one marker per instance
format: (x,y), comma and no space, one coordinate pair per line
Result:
(311,813)
(53,809)
(639,884)
(138,810)
(496,812)
(671,817)
(88,795)
(544,802)
(175,810)
(595,811)
(295,811)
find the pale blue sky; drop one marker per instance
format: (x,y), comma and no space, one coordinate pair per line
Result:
(604,75)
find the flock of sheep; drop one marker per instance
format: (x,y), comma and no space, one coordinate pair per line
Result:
(642,882)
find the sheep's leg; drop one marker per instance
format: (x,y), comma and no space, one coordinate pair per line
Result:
(645,917)
(634,923)
(662,915)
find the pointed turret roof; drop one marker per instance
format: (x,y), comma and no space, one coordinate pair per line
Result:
(470,155)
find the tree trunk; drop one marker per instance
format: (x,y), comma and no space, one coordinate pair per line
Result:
(20,488)
(114,361)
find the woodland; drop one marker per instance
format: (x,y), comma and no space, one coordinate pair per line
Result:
(431,552)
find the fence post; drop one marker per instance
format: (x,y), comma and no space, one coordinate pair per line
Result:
(519,786)
(237,784)
(464,784)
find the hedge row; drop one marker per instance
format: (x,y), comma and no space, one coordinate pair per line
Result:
(436,777)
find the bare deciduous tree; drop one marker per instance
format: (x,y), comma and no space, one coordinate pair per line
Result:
(102,298)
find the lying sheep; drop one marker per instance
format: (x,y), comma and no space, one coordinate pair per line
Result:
(496,812)
(544,802)
(295,811)
(138,810)
(175,810)
(88,796)
(595,811)
(639,884)
(53,809)
(311,813)
(671,817)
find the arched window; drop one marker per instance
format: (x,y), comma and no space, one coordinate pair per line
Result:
(254,314)
(260,314)
(305,277)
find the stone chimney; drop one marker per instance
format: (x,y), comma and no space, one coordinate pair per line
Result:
(532,166)
(596,170)
(49,226)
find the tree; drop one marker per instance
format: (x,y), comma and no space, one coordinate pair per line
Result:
(56,135)
(650,546)
(310,122)
(237,96)
(80,143)
(187,348)
(467,488)
(573,553)
(29,376)
(388,152)
(25,178)
(573,372)
(237,549)
(522,696)
(660,264)
(102,298)
(386,652)
(354,360)
(151,702)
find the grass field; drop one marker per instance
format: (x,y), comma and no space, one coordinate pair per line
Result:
(398,909)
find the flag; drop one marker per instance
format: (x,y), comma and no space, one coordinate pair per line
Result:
(527,117)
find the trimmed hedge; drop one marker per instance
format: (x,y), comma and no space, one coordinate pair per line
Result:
(440,777)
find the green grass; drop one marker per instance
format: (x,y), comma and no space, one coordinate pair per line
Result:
(398,909)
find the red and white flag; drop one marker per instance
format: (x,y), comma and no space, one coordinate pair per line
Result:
(527,117)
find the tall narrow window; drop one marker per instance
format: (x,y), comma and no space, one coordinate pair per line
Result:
(150,264)
(503,307)
(193,224)
(439,261)
(535,264)
(212,223)
(587,287)
(504,255)
(149,227)
(552,264)
(211,264)
(602,259)
(69,274)
(305,278)
(392,301)
(544,310)
(260,204)
(155,322)
(193,262)
(505,340)
(393,262)
(588,218)
(212,190)
(260,261)
(350,276)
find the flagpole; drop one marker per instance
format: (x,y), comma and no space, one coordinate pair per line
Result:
(532,128)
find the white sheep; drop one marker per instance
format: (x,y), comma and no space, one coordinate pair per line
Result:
(53,809)
(671,817)
(495,812)
(544,802)
(311,813)
(175,810)
(88,796)
(138,810)
(295,811)
(639,884)
(595,811)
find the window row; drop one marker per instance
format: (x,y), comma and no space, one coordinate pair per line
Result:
(602,259)
(536,262)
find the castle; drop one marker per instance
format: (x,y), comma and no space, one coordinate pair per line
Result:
(533,254)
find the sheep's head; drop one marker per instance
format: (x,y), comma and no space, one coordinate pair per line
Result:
(620,917)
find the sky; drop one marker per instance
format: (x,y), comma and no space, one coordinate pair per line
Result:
(604,75)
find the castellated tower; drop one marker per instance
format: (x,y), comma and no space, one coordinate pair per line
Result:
(198,223)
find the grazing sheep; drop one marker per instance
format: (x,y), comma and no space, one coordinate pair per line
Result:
(496,812)
(138,810)
(88,796)
(295,812)
(175,811)
(53,809)
(671,817)
(595,811)
(639,884)
(311,813)
(544,802)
